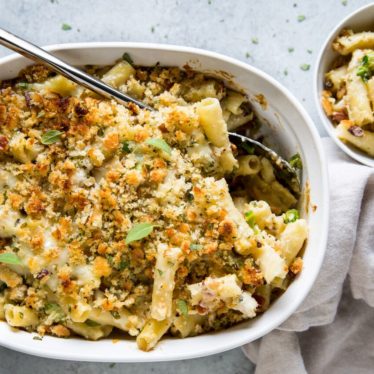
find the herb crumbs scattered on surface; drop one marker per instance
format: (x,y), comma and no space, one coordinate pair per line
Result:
(344,2)
(309,51)
(301,18)
(285,72)
(66,27)
(291,49)
(152,29)
(305,67)
(254,40)
(112,365)
(248,55)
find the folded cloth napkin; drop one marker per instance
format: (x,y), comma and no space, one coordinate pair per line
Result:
(333,330)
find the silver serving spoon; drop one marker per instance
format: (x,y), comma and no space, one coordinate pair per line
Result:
(284,171)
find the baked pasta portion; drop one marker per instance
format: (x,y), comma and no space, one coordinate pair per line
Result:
(349,95)
(113,217)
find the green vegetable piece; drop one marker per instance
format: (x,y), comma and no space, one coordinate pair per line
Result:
(160,144)
(291,216)
(139,231)
(51,136)
(127,57)
(254,40)
(183,307)
(295,161)
(250,218)
(10,258)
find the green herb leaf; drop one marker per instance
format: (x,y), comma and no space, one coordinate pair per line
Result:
(301,18)
(254,41)
(51,136)
(291,49)
(139,231)
(10,258)
(91,323)
(127,57)
(344,2)
(304,67)
(66,27)
(160,144)
(291,216)
(126,147)
(160,272)
(295,161)
(183,307)
(196,247)
(250,218)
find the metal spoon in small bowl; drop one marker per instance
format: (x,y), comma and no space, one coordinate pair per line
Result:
(283,170)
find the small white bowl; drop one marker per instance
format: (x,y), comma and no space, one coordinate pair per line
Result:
(361,20)
(291,130)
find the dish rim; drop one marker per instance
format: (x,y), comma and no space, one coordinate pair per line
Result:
(42,351)
(328,125)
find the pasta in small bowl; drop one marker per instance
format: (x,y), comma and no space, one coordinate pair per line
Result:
(151,229)
(344,85)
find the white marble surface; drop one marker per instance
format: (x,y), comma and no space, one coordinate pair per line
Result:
(264,33)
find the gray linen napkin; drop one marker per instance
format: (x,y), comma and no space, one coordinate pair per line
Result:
(333,330)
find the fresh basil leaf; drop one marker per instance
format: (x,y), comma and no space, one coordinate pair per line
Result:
(51,136)
(183,307)
(10,258)
(139,231)
(160,144)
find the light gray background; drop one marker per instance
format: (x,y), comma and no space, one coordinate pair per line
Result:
(259,32)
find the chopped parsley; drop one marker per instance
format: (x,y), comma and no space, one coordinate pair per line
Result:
(250,149)
(254,40)
(250,218)
(366,68)
(344,2)
(291,216)
(291,49)
(305,67)
(51,136)
(182,307)
(91,323)
(126,147)
(66,27)
(301,18)
(160,144)
(139,231)
(295,161)
(10,258)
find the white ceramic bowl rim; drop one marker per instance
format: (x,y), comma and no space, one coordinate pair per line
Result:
(91,351)
(317,85)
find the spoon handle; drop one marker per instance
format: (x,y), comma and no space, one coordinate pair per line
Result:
(37,54)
